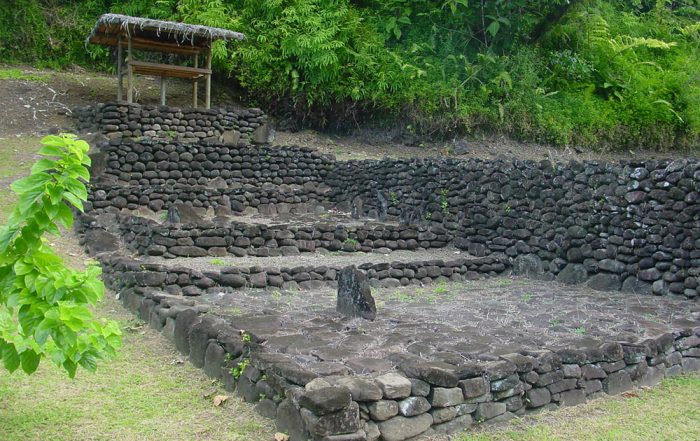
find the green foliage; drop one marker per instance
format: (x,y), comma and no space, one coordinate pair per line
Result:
(608,74)
(44,305)
(239,368)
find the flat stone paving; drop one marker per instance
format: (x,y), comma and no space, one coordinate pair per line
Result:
(452,322)
(337,259)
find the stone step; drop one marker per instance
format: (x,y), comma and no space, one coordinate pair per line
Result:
(240,237)
(195,276)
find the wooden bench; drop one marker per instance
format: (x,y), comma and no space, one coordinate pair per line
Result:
(168,70)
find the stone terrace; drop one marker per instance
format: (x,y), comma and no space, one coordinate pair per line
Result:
(502,287)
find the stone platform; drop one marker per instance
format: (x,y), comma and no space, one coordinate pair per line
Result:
(502,287)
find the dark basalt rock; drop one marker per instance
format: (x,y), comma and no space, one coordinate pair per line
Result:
(354,294)
(100,241)
(183,214)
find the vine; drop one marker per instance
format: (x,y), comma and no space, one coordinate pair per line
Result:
(44,305)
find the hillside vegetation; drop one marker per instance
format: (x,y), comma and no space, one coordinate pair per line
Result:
(607,74)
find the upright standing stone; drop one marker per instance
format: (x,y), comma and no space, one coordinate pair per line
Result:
(354,294)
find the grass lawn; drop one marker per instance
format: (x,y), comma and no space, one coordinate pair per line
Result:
(670,411)
(149,392)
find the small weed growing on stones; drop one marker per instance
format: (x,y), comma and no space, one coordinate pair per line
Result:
(526,297)
(217,262)
(441,288)
(238,369)
(444,204)
(580,331)
(350,241)
(393,198)
(401,297)
(276,295)
(504,282)
(554,322)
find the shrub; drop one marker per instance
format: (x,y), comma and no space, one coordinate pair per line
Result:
(44,305)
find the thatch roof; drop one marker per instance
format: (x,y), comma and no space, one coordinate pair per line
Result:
(110,26)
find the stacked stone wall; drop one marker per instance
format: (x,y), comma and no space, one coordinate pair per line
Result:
(117,120)
(634,226)
(148,237)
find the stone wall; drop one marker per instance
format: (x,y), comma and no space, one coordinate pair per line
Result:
(158,174)
(634,226)
(116,120)
(321,401)
(221,238)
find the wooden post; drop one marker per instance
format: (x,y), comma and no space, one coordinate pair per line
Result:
(162,91)
(130,73)
(120,79)
(208,91)
(194,83)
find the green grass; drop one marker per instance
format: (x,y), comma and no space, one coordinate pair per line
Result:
(670,411)
(17,74)
(146,393)
(17,156)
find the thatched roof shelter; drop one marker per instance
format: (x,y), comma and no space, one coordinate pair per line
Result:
(110,26)
(136,33)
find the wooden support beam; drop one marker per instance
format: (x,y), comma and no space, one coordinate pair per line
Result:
(194,84)
(130,73)
(207,95)
(120,79)
(162,90)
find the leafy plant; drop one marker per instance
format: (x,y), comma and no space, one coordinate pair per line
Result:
(239,368)
(350,241)
(444,203)
(44,305)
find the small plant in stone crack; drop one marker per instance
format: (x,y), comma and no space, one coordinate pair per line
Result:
(350,241)
(235,311)
(554,322)
(526,297)
(262,396)
(580,331)
(238,369)
(276,295)
(444,204)
(393,198)
(428,216)
(217,262)
(245,336)
(507,208)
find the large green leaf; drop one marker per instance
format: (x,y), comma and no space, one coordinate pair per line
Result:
(30,361)
(30,183)
(9,355)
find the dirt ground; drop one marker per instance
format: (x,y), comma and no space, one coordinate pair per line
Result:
(43,102)
(450,322)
